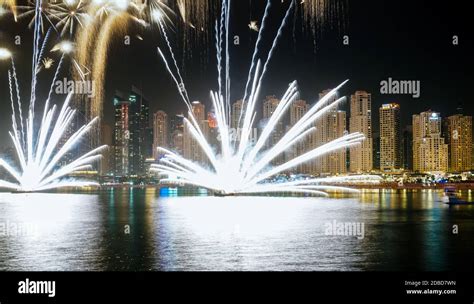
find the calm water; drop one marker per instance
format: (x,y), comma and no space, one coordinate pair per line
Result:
(139,230)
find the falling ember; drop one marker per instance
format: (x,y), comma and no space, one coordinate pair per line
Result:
(108,29)
(253,25)
(196,26)
(243,167)
(318,13)
(47,63)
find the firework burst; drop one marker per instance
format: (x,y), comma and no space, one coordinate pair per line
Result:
(41,147)
(29,11)
(241,166)
(70,14)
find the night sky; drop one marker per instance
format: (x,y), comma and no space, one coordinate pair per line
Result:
(405,40)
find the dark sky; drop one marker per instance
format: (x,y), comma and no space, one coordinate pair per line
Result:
(405,40)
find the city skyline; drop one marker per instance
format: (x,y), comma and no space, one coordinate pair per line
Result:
(382,38)
(389,143)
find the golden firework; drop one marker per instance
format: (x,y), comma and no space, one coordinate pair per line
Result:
(11,5)
(317,13)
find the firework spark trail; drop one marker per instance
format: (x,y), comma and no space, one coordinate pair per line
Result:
(36,168)
(110,26)
(17,91)
(255,90)
(181,82)
(246,169)
(56,74)
(37,149)
(227,59)
(275,41)
(36,59)
(43,46)
(220,39)
(295,131)
(255,52)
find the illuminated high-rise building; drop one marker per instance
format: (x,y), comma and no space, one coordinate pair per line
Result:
(106,162)
(177,141)
(361,159)
(192,149)
(212,129)
(458,133)
(329,127)
(269,106)
(297,110)
(160,132)
(407,148)
(236,112)
(430,153)
(139,124)
(390,148)
(177,134)
(121,135)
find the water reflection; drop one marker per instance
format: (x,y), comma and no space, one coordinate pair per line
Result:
(140,229)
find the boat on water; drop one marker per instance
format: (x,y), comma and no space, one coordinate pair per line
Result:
(223,194)
(450,197)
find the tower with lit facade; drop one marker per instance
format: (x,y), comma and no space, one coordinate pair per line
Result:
(160,132)
(330,126)
(390,148)
(430,152)
(361,159)
(458,133)
(121,135)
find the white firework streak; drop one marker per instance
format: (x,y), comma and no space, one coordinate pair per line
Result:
(245,168)
(39,148)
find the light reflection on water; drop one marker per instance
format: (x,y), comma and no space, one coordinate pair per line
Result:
(125,229)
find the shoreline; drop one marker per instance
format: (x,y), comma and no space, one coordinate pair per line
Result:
(395,186)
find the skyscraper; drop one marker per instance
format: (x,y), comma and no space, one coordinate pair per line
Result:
(177,136)
(407,148)
(361,121)
(329,127)
(139,125)
(430,153)
(121,135)
(213,130)
(376,150)
(160,132)
(390,149)
(269,106)
(106,162)
(236,112)
(297,110)
(192,149)
(458,133)
(177,141)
